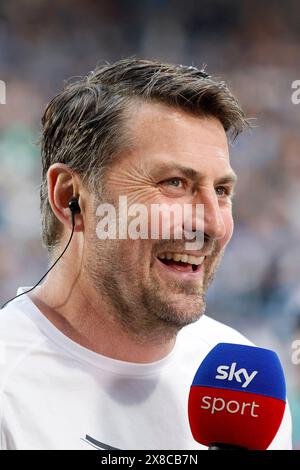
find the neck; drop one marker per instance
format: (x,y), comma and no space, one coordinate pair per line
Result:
(87,318)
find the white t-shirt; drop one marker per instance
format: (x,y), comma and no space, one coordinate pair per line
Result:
(56,394)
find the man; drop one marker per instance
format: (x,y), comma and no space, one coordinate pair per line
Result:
(103,353)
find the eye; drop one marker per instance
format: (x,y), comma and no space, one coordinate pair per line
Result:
(175,182)
(223,191)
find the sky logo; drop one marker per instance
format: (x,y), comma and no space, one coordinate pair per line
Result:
(230,373)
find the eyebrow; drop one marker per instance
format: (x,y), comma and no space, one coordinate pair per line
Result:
(229,178)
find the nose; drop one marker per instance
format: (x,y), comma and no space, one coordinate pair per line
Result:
(213,223)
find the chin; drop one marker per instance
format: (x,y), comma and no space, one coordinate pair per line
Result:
(182,314)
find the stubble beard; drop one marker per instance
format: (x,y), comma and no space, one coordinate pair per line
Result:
(143,309)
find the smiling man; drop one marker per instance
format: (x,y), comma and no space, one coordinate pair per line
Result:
(103,353)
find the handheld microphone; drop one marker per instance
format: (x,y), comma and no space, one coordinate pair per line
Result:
(75,209)
(237,398)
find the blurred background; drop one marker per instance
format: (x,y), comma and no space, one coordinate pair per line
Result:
(255,47)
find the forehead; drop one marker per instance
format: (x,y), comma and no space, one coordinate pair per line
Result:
(160,132)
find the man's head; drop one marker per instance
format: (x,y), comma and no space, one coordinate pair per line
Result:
(155,133)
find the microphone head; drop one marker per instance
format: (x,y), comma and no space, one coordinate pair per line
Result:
(237,397)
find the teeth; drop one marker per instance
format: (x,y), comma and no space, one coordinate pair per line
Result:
(183,257)
(196,259)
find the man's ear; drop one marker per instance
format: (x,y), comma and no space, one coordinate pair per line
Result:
(63,185)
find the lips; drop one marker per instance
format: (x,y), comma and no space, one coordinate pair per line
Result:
(182,257)
(182,262)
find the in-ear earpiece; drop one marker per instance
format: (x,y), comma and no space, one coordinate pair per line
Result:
(74,206)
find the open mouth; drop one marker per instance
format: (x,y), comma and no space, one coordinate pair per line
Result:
(182,262)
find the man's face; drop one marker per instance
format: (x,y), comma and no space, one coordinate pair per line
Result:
(176,158)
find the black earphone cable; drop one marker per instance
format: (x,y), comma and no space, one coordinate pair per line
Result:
(74,209)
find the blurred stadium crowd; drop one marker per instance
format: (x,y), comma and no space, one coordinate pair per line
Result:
(254,46)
